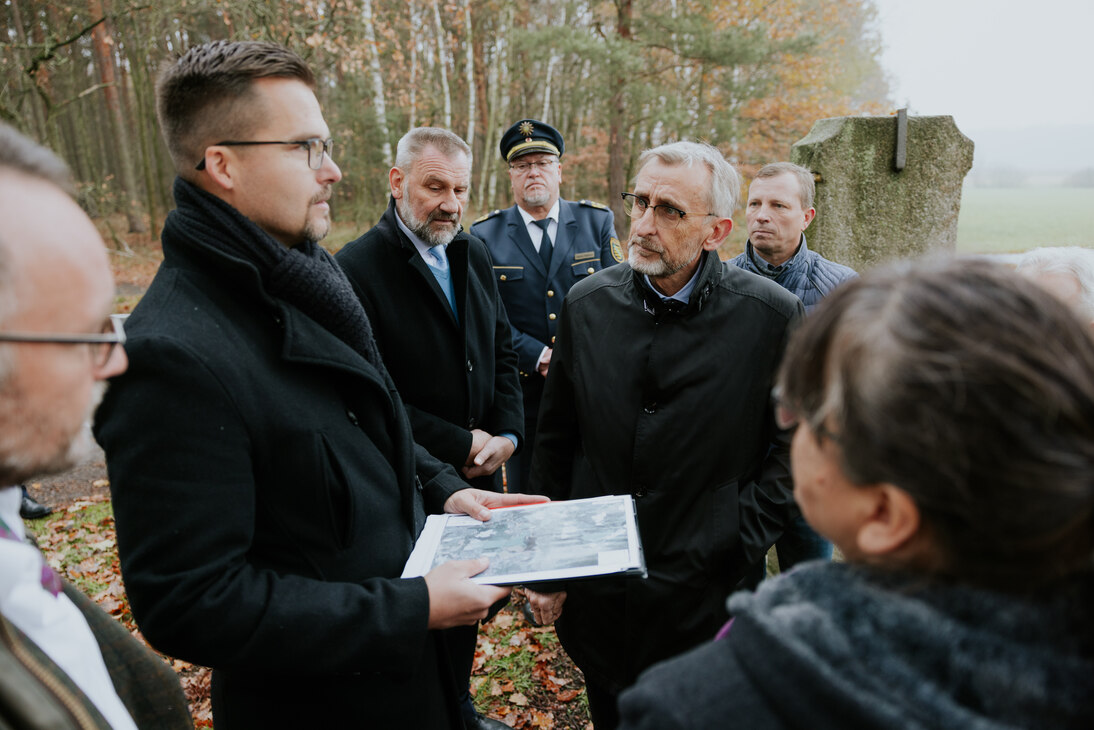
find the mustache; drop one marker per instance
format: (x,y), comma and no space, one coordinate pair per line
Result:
(643,242)
(440,215)
(322,196)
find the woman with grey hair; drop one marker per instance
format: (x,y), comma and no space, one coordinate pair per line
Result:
(944,441)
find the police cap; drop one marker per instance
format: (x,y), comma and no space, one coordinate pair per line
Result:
(530,135)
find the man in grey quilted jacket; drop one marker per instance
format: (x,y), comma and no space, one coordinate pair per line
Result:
(779,209)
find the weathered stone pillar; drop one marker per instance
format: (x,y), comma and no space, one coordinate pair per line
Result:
(868,210)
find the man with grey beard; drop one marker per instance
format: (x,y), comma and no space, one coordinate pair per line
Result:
(63,662)
(441,328)
(660,387)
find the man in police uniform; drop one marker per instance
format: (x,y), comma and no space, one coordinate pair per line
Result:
(533,278)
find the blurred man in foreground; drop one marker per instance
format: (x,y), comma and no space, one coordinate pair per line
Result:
(63,662)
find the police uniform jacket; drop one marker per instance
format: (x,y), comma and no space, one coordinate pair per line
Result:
(453,374)
(584,244)
(672,407)
(268,491)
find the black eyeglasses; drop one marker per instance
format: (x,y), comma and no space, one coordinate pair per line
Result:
(102,344)
(316,149)
(666,216)
(541,165)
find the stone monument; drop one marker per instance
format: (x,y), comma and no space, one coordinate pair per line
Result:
(887,187)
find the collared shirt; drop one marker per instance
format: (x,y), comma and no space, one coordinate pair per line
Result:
(807,275)
(534,231)
(421,246)
(443,276)
(764,268)
(51,620)
(684,295)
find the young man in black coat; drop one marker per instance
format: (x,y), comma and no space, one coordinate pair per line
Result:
(266,484)
(440,325)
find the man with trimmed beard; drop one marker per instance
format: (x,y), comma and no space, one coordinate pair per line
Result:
(541,247)
(440,325)
(63,662)
(266,483)
(660,388)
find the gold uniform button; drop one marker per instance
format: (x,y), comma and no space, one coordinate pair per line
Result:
(550,292)
(502,277)
(552,316)
(590,269)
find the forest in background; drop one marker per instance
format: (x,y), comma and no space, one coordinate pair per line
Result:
(615,77)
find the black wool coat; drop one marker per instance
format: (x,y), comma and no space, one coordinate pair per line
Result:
(267,495)
(453,376)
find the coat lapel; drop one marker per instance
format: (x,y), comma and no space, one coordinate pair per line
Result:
(394,234)
(305,341)
(564,239)
(422,268)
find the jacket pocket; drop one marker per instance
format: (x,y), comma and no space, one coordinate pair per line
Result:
(508,273)
(689,542)
(582,269)
(335,492)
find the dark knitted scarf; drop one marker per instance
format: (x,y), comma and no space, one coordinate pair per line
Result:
(892,650)
(305,276)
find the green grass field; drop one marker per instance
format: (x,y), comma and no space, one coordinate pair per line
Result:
(1010,220)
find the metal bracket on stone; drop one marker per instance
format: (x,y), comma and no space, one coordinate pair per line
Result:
(900,158)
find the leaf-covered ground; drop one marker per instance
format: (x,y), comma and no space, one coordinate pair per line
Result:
(521,675)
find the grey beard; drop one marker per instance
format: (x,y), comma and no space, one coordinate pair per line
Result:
(421,229)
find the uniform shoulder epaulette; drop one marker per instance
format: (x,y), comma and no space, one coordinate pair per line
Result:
(488,216)
(592,204)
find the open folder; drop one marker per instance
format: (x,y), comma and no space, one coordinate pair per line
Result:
(580,538)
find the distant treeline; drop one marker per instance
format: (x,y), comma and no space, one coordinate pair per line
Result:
(750,76)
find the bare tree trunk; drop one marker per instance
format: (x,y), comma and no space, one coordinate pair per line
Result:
(442,61)
(144,115)
(616,153)
(546,116)
(377,82)
(499,99)
(490,106)
(412,6)
(102,44)
(471,97)
(32,92)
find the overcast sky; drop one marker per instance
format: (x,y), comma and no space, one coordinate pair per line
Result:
(992,64)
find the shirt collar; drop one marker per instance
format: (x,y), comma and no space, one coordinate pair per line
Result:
(767,269)
(684,295)
(527,217)
(419,244)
